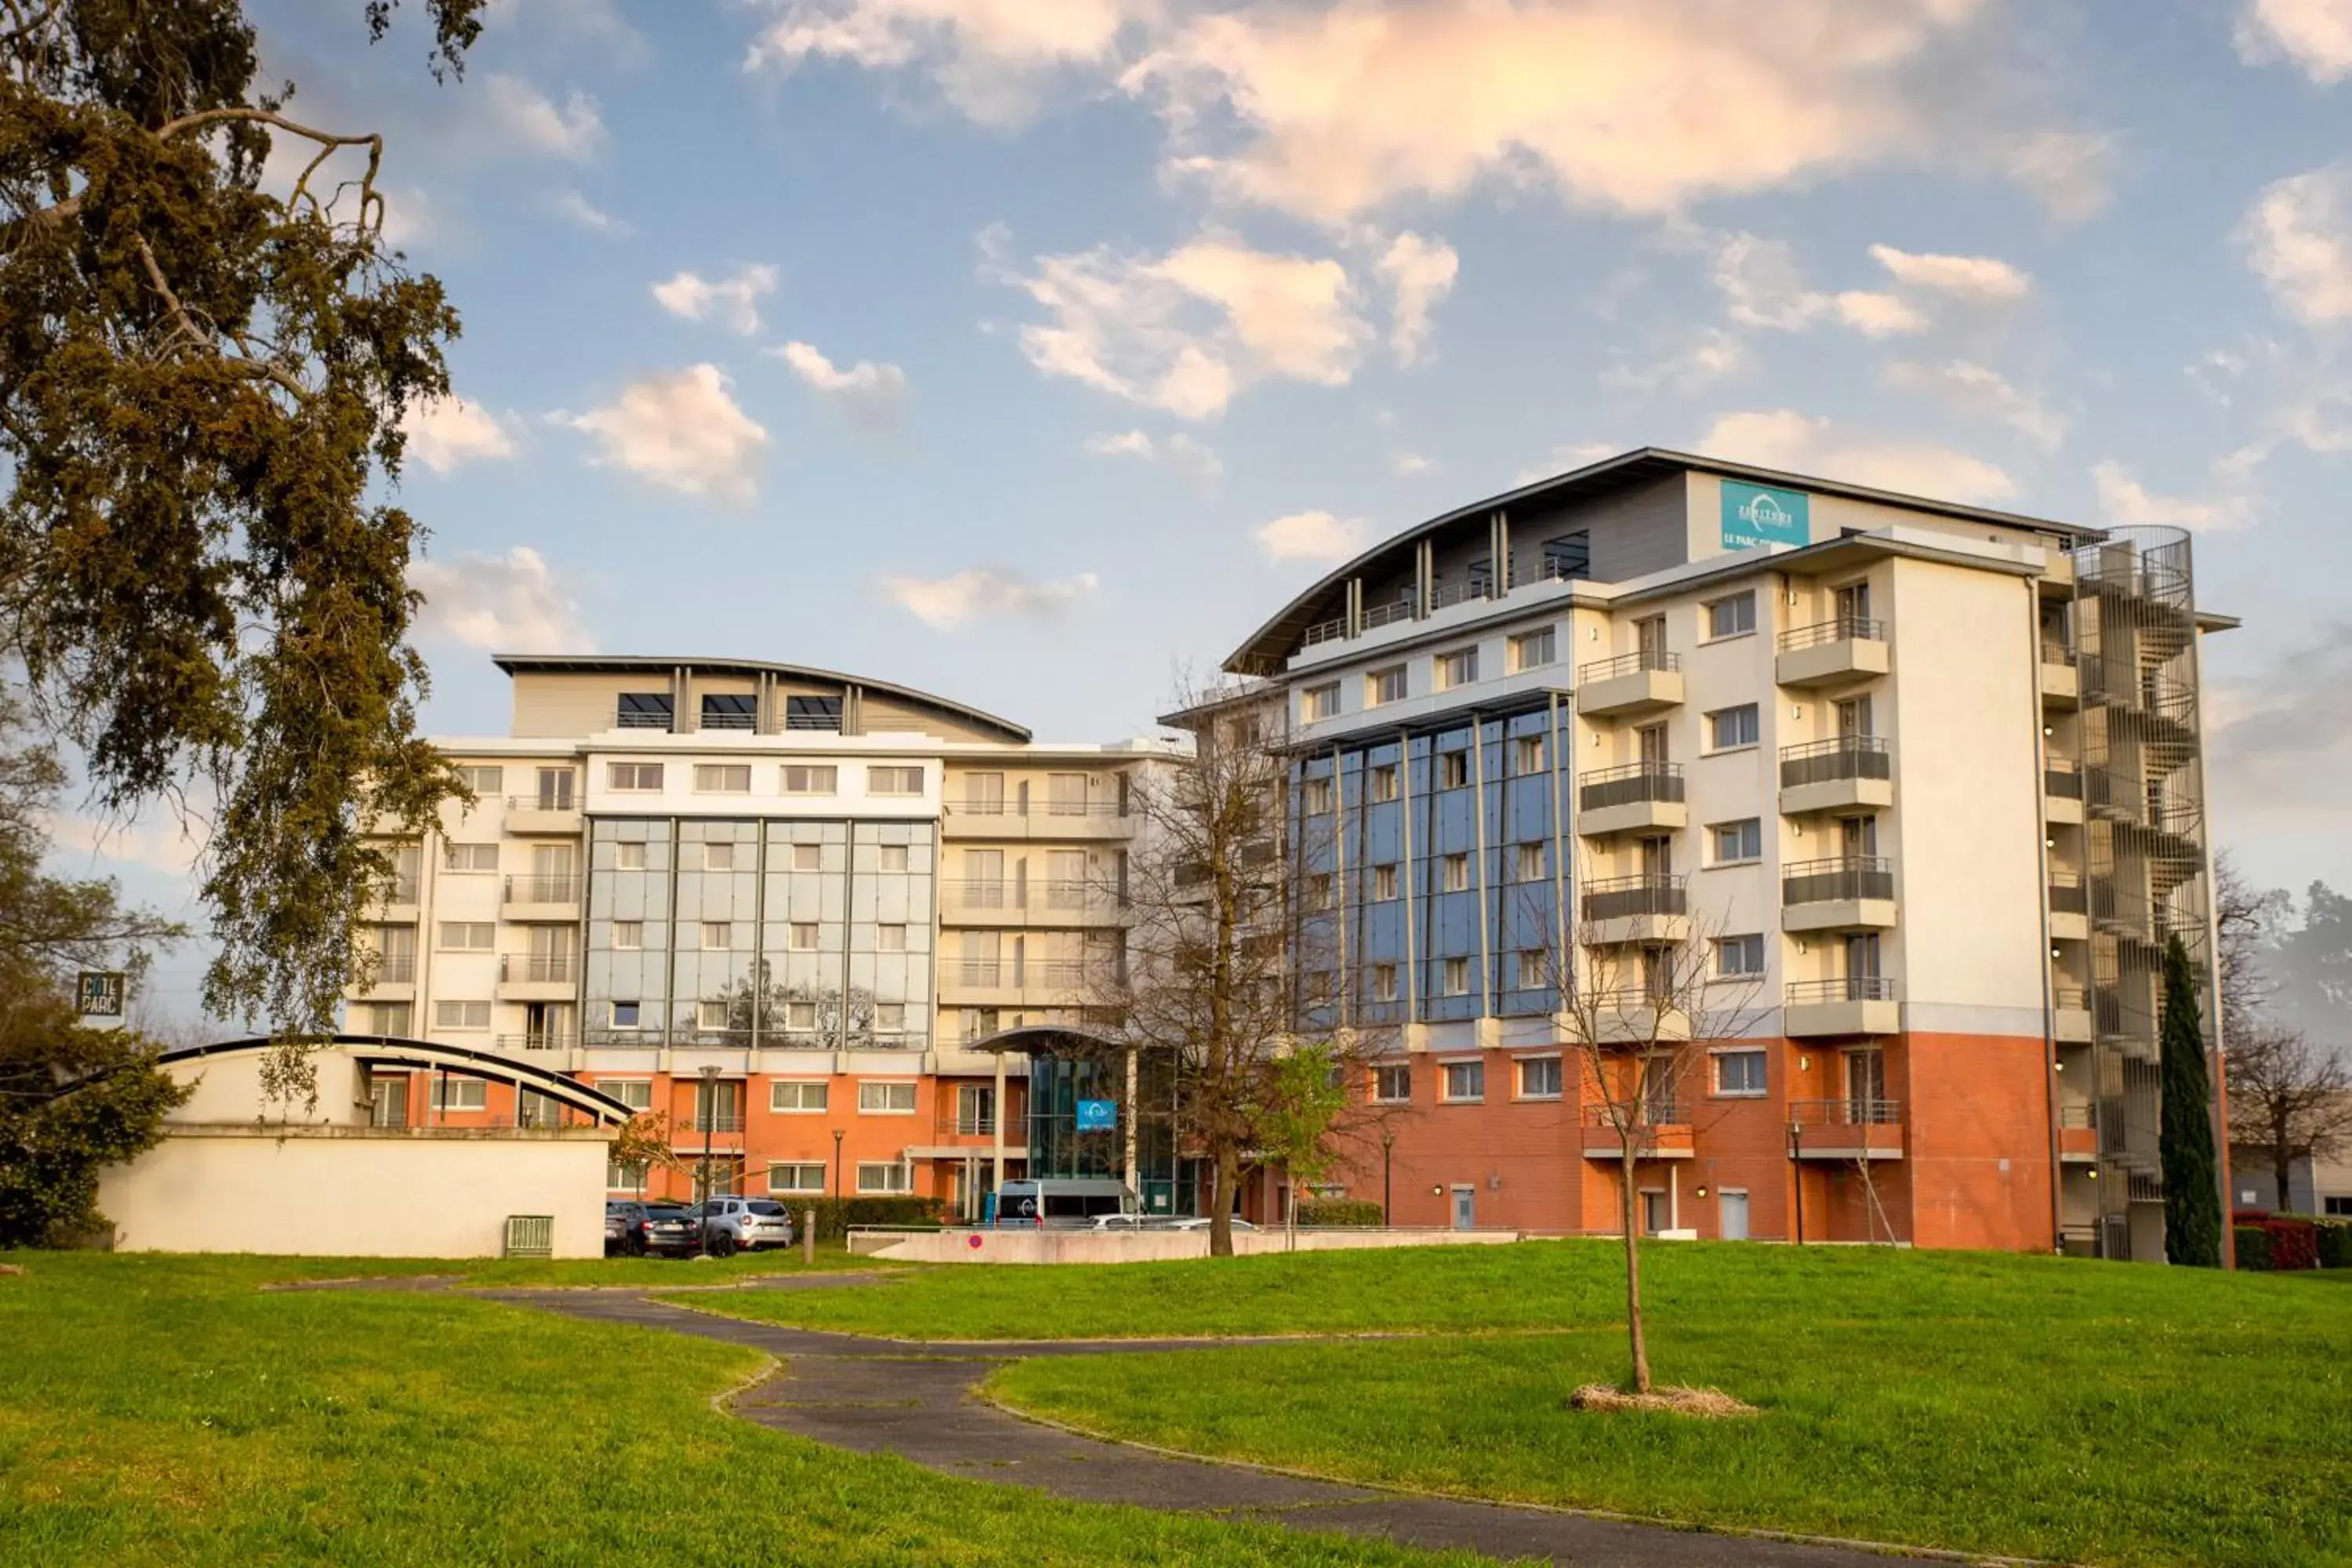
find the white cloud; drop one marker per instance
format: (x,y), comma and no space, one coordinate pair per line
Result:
(1408,465)
(505,604)
(1783,439)
(1313,536)
(166,846)
(573,207)
(1762,285)
(2297,238)
(531,119)
(1566,458)
(446,433)
(732,302)
(1704,357)
(1420,273)
(1186,332)
(1191,460)
(1975,278)
(871,392)
(947,602)
(2314,35)
(680,430)
(1981,393)
(990,58)
(2125,500)
(2071,172)
(1875,315)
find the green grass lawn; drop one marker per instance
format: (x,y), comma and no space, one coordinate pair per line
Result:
(158,1410)
(2096,1413)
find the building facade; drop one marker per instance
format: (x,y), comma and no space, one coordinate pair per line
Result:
(787,909)
(1926,779)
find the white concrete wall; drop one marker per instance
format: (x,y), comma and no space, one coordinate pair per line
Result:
(1015,1245)
(343,1192)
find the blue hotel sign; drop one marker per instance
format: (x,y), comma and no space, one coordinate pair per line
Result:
(1753,515)
(1097,1115)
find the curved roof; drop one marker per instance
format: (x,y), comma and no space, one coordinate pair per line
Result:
(393,1050)
(1041,1037)
(1272,643)
(622,664)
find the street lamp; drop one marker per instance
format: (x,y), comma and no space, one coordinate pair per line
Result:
(836,1161)
(1388,1147)
(709,1122)
(1797,1173)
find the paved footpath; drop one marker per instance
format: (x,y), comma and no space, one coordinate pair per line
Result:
(915,1399)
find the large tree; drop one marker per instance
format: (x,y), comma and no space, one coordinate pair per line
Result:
(2290,1095)
(201,384)
(2192,1199)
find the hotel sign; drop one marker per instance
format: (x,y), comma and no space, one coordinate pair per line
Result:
(1753,515)
(1097,1115)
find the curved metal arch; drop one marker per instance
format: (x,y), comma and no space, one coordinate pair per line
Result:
(1037,1038)
(395,1050)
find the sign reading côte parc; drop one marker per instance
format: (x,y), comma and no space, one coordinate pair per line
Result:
(100,994)
(1097,1115)
(1753,515)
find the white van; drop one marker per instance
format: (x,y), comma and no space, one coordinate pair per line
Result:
(1061,1202)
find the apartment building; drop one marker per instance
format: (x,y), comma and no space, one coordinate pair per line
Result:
(1926,778)
(795,911)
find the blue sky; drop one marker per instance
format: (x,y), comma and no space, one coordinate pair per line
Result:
(1033,351)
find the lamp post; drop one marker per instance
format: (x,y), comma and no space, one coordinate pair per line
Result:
(1797,1173)
(1388,1189)
(836,1161)
(709,1122)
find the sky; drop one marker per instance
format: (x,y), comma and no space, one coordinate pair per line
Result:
(1033,351)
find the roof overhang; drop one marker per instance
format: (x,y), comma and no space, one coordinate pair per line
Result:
(1043,1040)
(426,1056)
(624,664)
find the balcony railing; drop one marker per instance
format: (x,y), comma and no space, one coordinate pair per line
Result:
(1628,664)
(1840,628)
(982,972)
(1852,988)
(997,806)
(1626,1000)
(1653,1113)
(1839,757)
(542,889)
(962,1126)
(401,891)
(2061,779)
(1325,631)
(2067,894)
(539,967)
(1628,785)
(721,1121)
(2054,651)
(1620,898)
(2070,999)
(1050,894)
(1387,614)
(2083,1115)
(545,799)
(633,718)
(825,720)
(1853,1110)
(544,1040)
(1446,594)
(1839,878)
(396,971)
(728,720)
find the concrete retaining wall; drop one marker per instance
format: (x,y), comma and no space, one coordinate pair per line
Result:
(1019,1245)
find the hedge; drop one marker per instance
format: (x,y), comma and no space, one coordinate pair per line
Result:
(1341,1212)
(2335,1243)
(2287,1243)
(2254,1247)
(835,1215)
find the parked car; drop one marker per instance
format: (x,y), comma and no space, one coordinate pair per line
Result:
(1201,1222)
(635,1228)
(1130,1222)
(744,1224)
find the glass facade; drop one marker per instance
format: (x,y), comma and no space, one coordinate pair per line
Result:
(1164,1184)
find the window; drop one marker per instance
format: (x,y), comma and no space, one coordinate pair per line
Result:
(1731,617)
(730,710)
(628,857)
(1457,977)
(643,711)
(796,1178)
(889,1098)
(1384,982)
(719,935)
(628,936)
(1385,782)
(637,1093)
(808,856)
(1456,870)
(1739,1072)
(722,778)
(801,936)
(2337,1208)
(1318,797)
(1322,987)
(1570,556)
(638,776)
(1466,1080)
(811,713)
(1727,729)
(1527,862)
(1453,770)
(1393,1086)
(893,857)
(460,1093)
(1321,892)
(1459,667)
(719,857)
(894,781)
(876,1177)
(889,1017)
(1540,1078)
(1527,755)
(1739,955)
(1531,969)
(800,1098)
(461,1015)
(468,936)
(389,1018)
(1384,882)
(487,782)
(469,857)
(1738,842)
(710,1015)
(800,1015)
(624,1014)
(1533,650)
(1384,685)
(810,779)
(1319,702)
(890,938)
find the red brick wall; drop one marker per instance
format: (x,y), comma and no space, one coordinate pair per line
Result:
(1979,1141)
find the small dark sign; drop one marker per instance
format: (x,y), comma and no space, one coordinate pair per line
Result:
(99,994)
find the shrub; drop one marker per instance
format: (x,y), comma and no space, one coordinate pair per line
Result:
(1341,1212)
(835,1215)
(2254,1247)
(2294,1243)
(2335,1236)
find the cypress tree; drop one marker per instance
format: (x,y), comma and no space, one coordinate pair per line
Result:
(2192,1204)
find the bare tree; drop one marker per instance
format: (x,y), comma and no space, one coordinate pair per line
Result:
(2247,919)
(2290,1099)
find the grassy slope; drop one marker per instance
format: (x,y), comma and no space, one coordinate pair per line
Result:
(160,1410)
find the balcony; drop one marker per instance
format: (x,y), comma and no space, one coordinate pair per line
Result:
(1628,1016)
(990,817)
(1664,1135)
(2062,789)
(1859,1005)
(1049,902)
(2062,683)
(549,810)
(1642,682)
(2070,907)
(1623,800)
(542,898)
(544,1040)
(395,981)
(1832,652)
(2069,1016)
(537,977)
(1833,775)
(1849,1129)
(2078,1131)
(1846,892)
(1645,907)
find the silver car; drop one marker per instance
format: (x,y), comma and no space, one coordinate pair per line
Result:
(744,1224)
